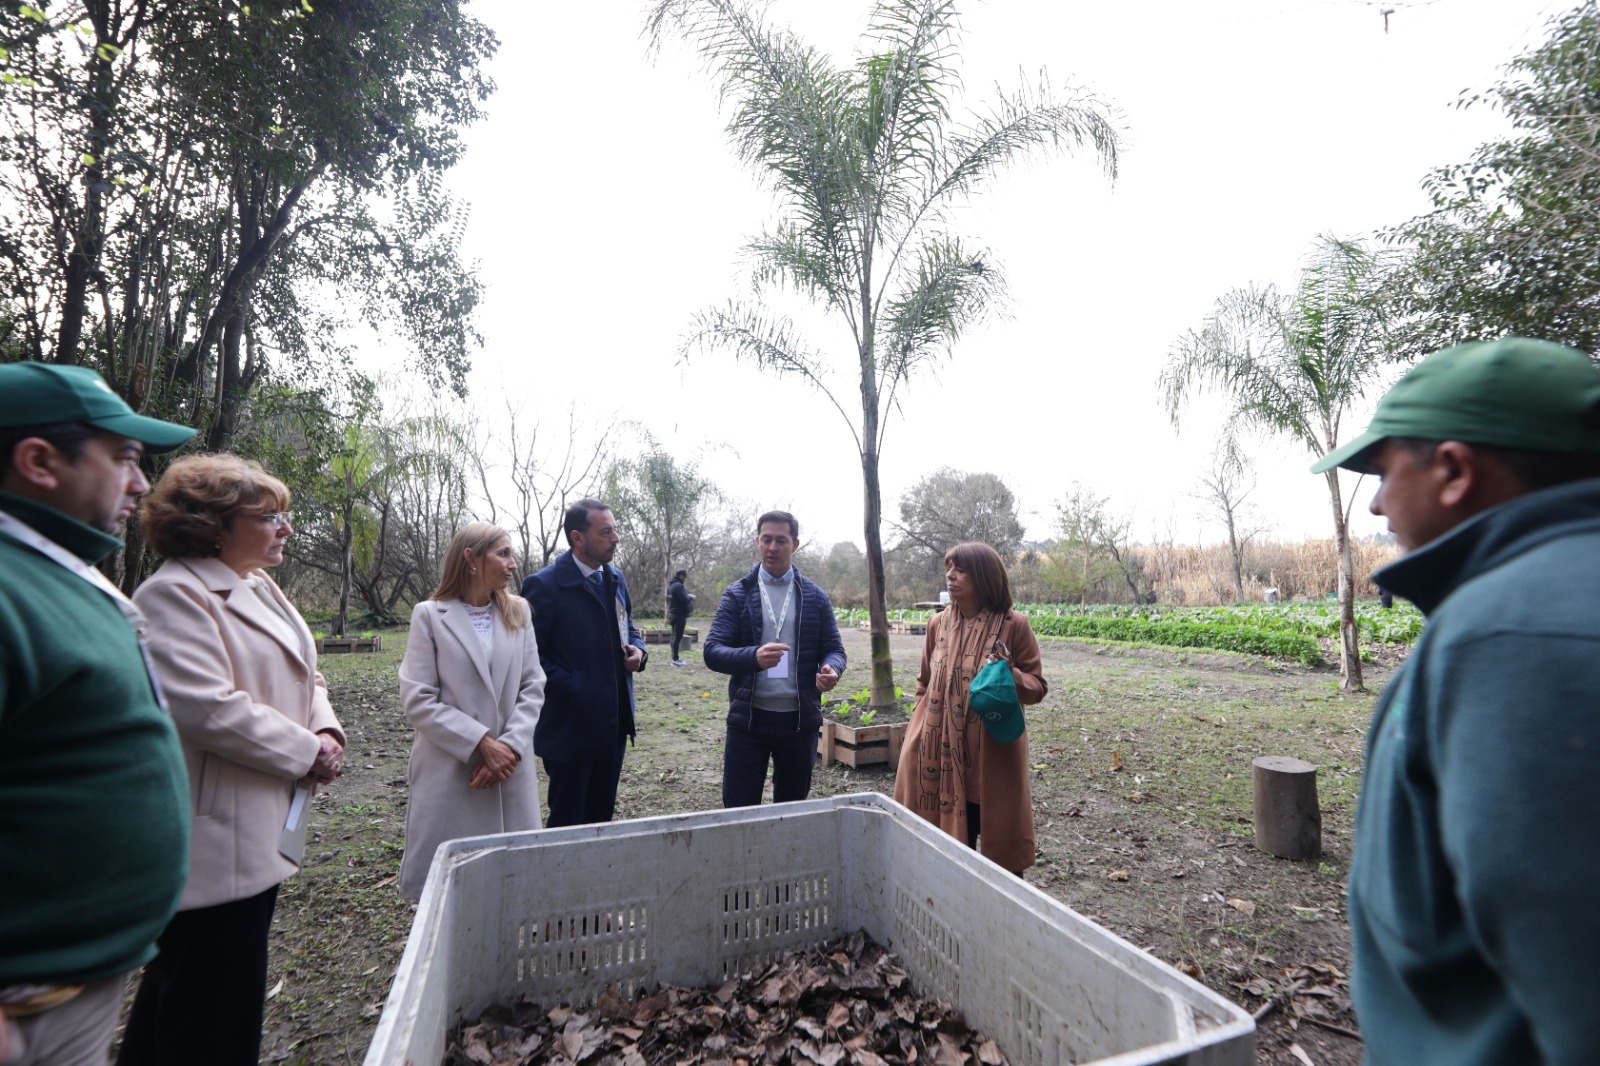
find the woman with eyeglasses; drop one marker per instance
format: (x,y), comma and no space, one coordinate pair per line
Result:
(238,668)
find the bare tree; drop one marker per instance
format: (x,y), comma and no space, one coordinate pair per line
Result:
(1224,490)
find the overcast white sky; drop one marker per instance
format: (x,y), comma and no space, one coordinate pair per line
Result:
(607,210)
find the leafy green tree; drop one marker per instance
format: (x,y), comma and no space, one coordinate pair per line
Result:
(661,506)
(948,507)
(197,195)
(1095,548)
(1512,244)
(1294,364)
(868,161)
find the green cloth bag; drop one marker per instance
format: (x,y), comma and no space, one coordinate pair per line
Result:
(992,696)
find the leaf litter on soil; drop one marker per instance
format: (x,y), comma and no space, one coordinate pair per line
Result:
(844,1003)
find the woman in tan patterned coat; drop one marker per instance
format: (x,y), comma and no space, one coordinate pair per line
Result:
(951,771)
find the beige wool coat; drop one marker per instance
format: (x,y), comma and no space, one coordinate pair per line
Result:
(455,695)
(248,705)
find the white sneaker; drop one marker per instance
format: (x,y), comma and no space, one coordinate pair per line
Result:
(679,662)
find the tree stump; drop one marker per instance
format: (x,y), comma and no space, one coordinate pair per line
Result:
(1288,821)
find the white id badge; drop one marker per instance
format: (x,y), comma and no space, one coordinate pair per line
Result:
(782,669)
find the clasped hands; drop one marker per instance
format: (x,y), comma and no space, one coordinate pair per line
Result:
(499,762)
(329,762)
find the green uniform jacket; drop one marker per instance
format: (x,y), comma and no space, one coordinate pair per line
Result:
(94,803)
(1477,859)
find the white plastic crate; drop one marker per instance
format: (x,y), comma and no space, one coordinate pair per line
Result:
(692,899)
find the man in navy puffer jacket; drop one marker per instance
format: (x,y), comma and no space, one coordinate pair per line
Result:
(776,636)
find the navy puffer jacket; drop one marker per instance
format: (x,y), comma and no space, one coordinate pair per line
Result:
(736,634)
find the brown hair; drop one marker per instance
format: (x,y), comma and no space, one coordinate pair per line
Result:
(983,565)
(780,516)
(456,581)
(187,512)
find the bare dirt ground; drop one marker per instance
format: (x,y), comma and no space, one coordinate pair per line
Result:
(1141,781)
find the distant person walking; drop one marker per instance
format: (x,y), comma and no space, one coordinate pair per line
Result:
(472,685)
(680,603)
(590,650)
(951,771)
(776,636)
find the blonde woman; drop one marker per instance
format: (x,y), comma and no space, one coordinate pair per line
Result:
(472,686)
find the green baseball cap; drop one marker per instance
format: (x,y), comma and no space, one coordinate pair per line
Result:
(1509,393)
(40,394)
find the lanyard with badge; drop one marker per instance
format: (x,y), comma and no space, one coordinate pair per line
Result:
(26,535)
(781,670)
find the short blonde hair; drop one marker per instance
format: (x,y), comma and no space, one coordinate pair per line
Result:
(195,502)
(456,581)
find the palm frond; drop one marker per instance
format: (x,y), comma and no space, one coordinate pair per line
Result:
(771,343)
(950,289)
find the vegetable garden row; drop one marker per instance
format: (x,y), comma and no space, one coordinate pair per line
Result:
(1283,630)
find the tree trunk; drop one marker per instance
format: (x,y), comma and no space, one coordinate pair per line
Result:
(347,563)
(1238,561)
(1288,820)
(877,608)
(1349,648)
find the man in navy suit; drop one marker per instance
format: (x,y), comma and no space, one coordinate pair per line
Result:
(590,650)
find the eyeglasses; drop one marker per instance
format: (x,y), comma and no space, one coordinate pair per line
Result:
(279,519)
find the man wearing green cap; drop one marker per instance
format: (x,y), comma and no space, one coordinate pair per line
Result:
(94,808)
(1473,881)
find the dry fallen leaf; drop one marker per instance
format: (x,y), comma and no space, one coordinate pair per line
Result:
(276,988)
(1116,761)
(1117,875)
(1299,1053)
(1243,906)
(846,1003)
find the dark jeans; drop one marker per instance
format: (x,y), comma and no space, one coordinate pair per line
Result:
(770,738)
(677,635)
(584,791)
(201,999)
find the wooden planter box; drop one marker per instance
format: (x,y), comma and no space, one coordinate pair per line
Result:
(914,628)
(664,636)
(871,745)
(348,645)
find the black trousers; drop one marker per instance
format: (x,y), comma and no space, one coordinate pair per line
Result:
(201,999)
(772,738)
(677,635)
(583,791)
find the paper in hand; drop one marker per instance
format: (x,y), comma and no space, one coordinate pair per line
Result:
(781,670)
(292,841)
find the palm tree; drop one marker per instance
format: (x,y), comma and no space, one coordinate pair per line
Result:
(1295,364)
(867,162)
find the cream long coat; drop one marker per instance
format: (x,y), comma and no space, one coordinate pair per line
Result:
(248,706)
(455,695)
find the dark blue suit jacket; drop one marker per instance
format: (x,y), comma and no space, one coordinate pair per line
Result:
(588,696)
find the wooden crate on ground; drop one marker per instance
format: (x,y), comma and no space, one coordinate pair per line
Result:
(346,645)
(858,746)
(916,629)
(664,636)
